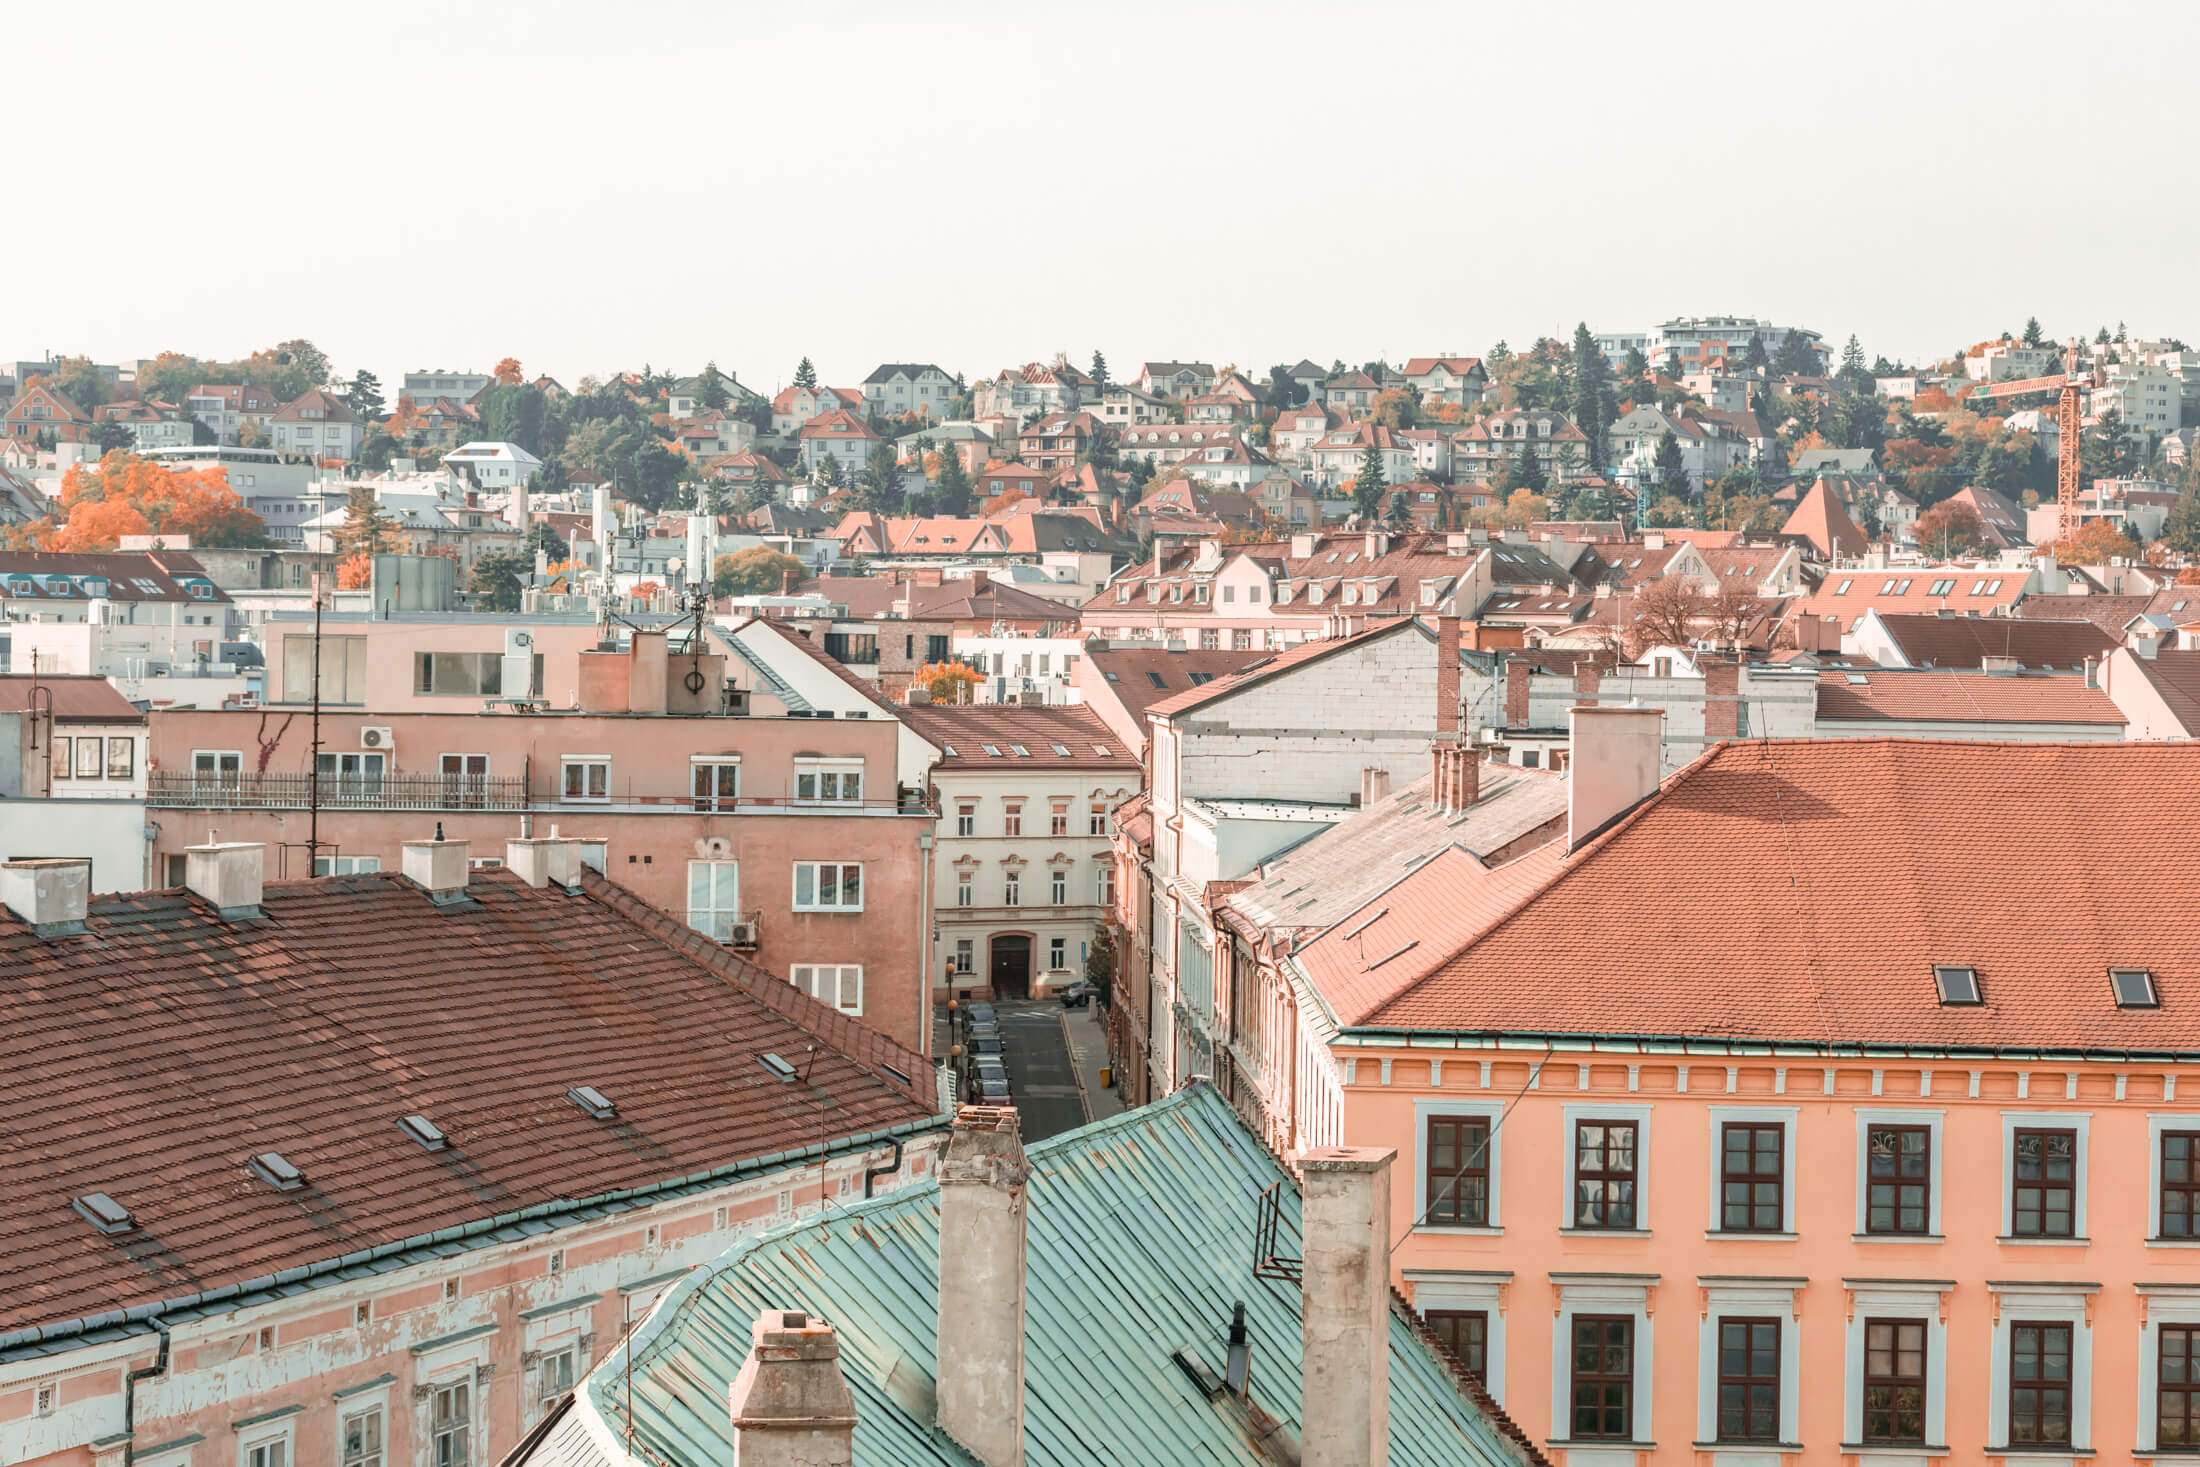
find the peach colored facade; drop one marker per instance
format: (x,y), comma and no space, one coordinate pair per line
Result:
(746,813)
(511,1324)
(1974,1284)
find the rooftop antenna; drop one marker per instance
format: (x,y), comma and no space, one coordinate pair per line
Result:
(313,772)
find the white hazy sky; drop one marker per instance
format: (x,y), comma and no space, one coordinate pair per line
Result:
(592,186)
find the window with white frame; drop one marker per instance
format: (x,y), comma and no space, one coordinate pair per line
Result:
(1058,888)
(1012,888)
(1103,884)
(1465,1308)
(1607,1170)
(2040,1369)
(587,779)
(1898,1174)
(966,953)
(2043,1166)
(966,819)
(1748,1364)
(554,1375)
(714,898)
(222,768)
(838,984)
(450,1424)
(1456,1173)
(1012,818)
(828,886)
(1752,1171)
(1601,1361)
(345,865)
(716,782)
(1058,818)
(1896,1361)
(828,782)
(965,888)
(359,1432)
(269,1450)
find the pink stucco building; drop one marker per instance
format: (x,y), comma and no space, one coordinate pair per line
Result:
(784,837)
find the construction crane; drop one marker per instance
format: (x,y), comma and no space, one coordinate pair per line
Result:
(2067,431)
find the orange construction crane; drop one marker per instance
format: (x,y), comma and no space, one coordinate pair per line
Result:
(2068,429)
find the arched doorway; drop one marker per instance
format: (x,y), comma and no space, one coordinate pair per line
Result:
(1010,968)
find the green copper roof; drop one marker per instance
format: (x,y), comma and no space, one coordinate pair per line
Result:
(1141,1238)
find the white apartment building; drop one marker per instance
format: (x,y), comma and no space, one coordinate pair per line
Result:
(436,382)
(2149,398)
(908,387)
(1024,869)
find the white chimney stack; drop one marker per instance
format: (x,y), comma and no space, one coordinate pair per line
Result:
(790,1405)
(228,875)
(545,861)
(1374,786)
(438,867)
(51,893)
(981,1300)
(1616,761)
(1344,1388)
(518,511)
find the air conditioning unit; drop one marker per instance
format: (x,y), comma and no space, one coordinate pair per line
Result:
(742,934)
(377,738)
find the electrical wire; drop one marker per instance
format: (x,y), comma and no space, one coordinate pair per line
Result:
(1550,1047)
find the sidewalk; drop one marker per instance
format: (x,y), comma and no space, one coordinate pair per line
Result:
(1088,1052)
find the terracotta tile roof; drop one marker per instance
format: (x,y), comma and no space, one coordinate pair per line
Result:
(1276,665)
(1822,521)
(1952,641)
(74,699)
(326,409)
(1459,366)
(1870,861)
(1987,590)
(970,729)
(1885,694)
(165,1047)
(2109,613)
(839,423)
(161,570)
(1143,674)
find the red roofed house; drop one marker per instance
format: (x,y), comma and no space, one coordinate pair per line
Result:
(1483,450)
(371,1169)
(1899,1118)
(229,409)
(1460,380)
(316,426)
(43,409)
(1822,521)
(841,436)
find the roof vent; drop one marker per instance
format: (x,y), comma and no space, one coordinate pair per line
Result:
(897,1074)
(104,1213)
(425,1131)
(1956,985)
(593,1101)
(270,1168)
(2134,988)
(780,1069)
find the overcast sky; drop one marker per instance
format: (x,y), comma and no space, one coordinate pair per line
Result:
(589,187)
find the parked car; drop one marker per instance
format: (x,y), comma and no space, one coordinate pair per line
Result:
(986,1091)
(985,1044)
(978,1012)
(1079,995)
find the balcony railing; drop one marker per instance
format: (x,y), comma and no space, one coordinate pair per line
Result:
(336,792)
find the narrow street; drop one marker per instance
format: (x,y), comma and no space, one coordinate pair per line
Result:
(1040,1077)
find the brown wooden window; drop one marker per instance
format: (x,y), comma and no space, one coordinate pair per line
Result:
(1749,1380)
(1466,1333)
(2177,1388)
(2039,1385)
(2180,1185)
(2046,1184)
(1898,1179)
(1603,1377)
(1750,1172)
(1604,1174)
(1894,1380)
(1458,1171)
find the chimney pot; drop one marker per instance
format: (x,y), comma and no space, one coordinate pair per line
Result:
(1344,1406)
(790,1405)
(438,867)
(51,894)
(228,875)
(981,1317)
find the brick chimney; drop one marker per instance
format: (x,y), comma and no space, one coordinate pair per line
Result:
(1516,693)
(1374,786)
(788,580)
(1585,681)
(978,581)
(438,867)
(1455,772)
(1616,754)
(1447,677)
(981,1294)
(228,876)
(1722,701)
(50,893)
(1344,1405)
(790,1405)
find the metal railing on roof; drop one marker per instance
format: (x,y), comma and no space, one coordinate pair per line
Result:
(295,791)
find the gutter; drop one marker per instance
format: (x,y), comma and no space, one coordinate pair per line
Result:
(150,1314)
(1360,1036)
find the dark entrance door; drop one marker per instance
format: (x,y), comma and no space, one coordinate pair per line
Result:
(1011,974)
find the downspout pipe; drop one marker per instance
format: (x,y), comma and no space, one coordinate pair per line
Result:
(885,1168)
(129,1391)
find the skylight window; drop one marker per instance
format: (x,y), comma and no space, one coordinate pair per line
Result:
(1019,751)
(993,751)
(425,1131)
(593,1101)
(2134,988)
(1156,679)
(1956,985)
(949,751)
(1060,749)
(1858,680)
(1103,751)
(780,1070)
(103,1212)
(270,1168)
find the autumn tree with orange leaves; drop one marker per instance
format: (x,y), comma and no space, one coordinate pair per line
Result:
(124,495)
(507,372)
(2096,543)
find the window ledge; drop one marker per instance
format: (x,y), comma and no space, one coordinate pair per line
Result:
(1460,1230)
(2165,1451)
(1720,1235)
(2009,1242)
(1747,1446)
(2038,1452)
(1578,1232)
(1897,1238)
(1592,1442)
(1891,1449)
(2177,1243)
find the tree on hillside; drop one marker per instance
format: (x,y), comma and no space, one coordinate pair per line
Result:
(114,436)
(1756,360)
(1794,358)
(498,577)
(1854,375)
(306,359)
(367,528)
(507,372)
(122,495)
(1950,529)
(805,376)
(1367,488)
(756,571)
(1526,471)
(882,479)
(2181,531)
(2100,337)
(1593,403)
(827,475)
(515,412)
(951,484)
(1099,370)
(1671,470)
(2032,335)
(2097,543)
(710,388)
(363,394)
